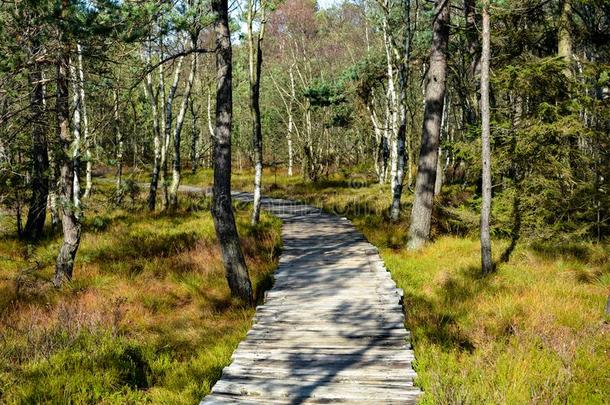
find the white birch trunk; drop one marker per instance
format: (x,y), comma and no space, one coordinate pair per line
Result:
(76,138)
(173,192)
(167,129)
(86,141)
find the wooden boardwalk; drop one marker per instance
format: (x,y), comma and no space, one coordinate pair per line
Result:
(331,328)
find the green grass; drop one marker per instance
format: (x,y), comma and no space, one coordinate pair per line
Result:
(159,328)
(533,332)
(147,318)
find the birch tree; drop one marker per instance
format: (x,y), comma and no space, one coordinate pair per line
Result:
(84,125)
(70,221)
(168,108)
(404,73)
(176,167)
(255,62)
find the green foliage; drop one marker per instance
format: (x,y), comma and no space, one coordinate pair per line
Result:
(324,94)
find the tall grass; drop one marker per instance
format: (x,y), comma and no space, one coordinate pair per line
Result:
(147,318)
(533,332)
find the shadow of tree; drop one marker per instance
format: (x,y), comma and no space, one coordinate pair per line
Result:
(437,316)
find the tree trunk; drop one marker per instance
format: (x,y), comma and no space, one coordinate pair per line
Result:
(486,259)
(40,159)
(84,123)
(438,183)
(167,129)
(152,98)
(210,128)
(71,225)
(564,36)
(119,150)
(173,191)
(291,121)
(222,209)
(194,138)
(392,105)
(403,75)
(472,45)
(255,66)
(77,130)
(421,214)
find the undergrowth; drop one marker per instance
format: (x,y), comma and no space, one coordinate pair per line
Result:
(533,332)
(147,317)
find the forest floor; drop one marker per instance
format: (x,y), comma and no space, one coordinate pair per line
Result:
(148,315)
(147,318)
(533,332)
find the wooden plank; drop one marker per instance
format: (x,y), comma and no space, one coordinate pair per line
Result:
(295,377)
(332,327)
(397,357)
(227,399)
(321,390)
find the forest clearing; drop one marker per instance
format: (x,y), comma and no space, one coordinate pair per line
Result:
(291,201)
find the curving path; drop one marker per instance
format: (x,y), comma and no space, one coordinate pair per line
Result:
(331,329)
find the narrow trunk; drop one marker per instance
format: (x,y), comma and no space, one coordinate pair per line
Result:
(421,214)
(290,122)
(70,222)
(255,65)
(169,104)
(210,128)
(486,260)
(173,191)
(154,181)
(564,45)
(472,46)
(194,138)
(403,75)
(119,150)
(222,209)
(438,183)
(77,130)
(40,159)
(392,106)
(84,123)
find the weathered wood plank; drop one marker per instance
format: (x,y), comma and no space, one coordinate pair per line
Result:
(332,327)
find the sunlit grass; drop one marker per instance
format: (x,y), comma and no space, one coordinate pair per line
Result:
(533,332)
(147,318)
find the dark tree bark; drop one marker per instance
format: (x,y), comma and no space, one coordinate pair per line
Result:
(401,136)
(70,221)
(40,159)
(421,214)
(119,150)
(486,260)
(222,209)
(470,105)
(154,178)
